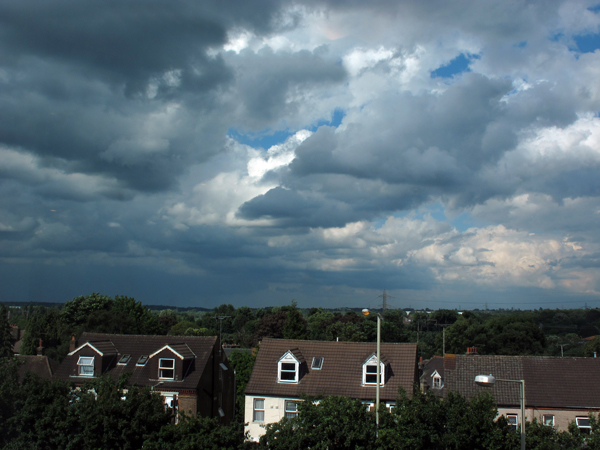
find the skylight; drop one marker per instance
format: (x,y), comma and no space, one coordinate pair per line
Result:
(142,361)
(317,363)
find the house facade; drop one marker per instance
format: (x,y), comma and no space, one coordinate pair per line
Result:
(191,373)
(285,370)
(554,392)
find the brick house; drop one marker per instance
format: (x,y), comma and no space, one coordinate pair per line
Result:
(191,373)
(554,393)
(285,370)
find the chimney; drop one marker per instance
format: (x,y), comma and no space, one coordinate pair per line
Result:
(72,344)
(40,349)
(471,350)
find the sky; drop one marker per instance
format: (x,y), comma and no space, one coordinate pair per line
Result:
(195,153)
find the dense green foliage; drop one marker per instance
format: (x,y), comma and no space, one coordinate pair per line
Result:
(242,363)
(424,422)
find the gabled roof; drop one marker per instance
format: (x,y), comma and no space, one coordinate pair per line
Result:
(197,348)
(550,382)
(105,347)
(183,351)
(341,372)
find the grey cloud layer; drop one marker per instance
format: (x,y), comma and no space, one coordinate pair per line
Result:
(114,148)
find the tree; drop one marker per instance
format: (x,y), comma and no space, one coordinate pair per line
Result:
(332,423)
(6,339)
(77,311)
(242,363)
(197,433)
(295,326)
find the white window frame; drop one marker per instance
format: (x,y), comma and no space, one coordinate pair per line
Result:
(372,362)
(84,363)
(161,368)
(516,417)
(290,408)
(284,366)
(544,421)
(317,363)
(438,382)
(585,428)
(258,411)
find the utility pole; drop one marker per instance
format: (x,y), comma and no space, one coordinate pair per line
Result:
(385,296)
(220,319)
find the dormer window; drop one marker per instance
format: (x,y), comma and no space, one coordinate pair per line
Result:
(166,369)
(288,369)
(370,372)
(85,366)
(438,381)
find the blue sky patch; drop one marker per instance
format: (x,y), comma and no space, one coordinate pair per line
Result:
(594,9)
(588,43)
(267,138)
(458,65)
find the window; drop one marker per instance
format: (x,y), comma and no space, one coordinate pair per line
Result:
(142,361)
(85,366)
(124,359)
(548,420)
(259,410)
(390,406)
(370,374)
(583,423)
(166,368)
(317,363)
(438,383)
(291,409)
(512,421)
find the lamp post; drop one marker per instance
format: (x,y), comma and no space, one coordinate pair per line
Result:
(366,312)
(490,380)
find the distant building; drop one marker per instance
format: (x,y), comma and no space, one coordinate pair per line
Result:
(191,373)
(287,369)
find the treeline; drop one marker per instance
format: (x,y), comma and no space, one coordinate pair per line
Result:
(540,332)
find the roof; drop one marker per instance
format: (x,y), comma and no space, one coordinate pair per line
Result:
(341,372)
(550,382)
(198,348)
(41,366)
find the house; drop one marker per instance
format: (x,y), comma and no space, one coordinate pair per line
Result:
(432,376)
(191,373)
(285,370)
(39,364)
(554,393)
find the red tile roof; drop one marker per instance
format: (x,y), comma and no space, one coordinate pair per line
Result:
(341,372)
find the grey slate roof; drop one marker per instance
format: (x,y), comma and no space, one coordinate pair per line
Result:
(550,382)
(341,373)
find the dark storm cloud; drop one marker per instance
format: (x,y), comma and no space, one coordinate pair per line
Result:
(267,77)
(84,83)
(126,39)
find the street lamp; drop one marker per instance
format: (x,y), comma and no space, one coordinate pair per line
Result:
(366,312)
(490,380)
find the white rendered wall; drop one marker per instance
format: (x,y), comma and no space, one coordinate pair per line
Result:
(274,412)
